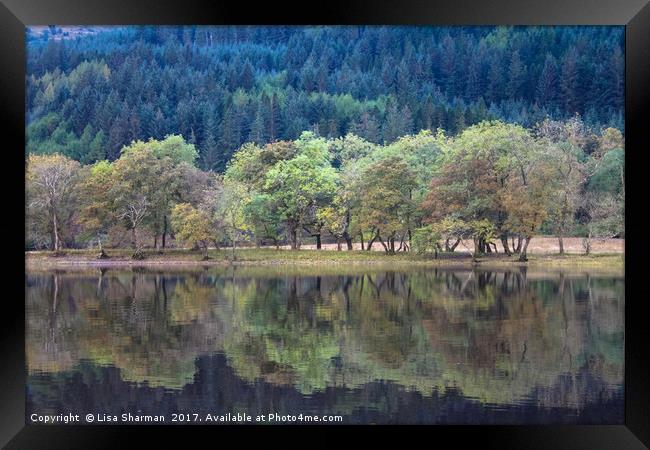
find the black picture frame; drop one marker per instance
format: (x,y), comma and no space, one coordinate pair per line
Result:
(16,14)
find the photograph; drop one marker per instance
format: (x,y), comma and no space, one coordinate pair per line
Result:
(325,224)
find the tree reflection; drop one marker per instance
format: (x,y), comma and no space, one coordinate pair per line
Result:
(499,337)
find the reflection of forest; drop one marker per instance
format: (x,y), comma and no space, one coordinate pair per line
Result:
(498,337)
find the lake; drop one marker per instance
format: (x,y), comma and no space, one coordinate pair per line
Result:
(370,344)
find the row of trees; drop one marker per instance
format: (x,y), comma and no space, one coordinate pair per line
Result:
(495,183)
(221,87)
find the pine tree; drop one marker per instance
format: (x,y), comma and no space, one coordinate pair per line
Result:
(547,85)
(247,76)
(427,114)
(407,120)
(96,151)
(569,81)
(448,65)
(495,91)
(230,137)
(473,84)
(516,76)
(258,127)
(159,126)
(135,132)
(398,123)
(170,83)
(366,127)
(273,118)
(459,118)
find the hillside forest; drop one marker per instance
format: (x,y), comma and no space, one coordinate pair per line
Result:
(403,138)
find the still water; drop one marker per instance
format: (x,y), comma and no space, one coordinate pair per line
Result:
(419,345)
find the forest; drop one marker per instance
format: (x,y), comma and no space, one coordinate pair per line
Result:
(493,183)
(404,138)
(221,87)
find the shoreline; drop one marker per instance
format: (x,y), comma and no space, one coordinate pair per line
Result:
(86,259)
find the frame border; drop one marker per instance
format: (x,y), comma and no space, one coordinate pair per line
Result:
(634,14)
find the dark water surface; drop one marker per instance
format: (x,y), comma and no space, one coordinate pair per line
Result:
(371,345)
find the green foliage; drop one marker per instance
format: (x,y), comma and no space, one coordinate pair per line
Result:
(493,181)
(230,211)
(51,191)
(335,219)
(264,219)
(222,87)
(483,230)
(96,214)
(480,132)
(609,174)
(298,186)
(425,239)
(173,147)
(191,226)
(475,168)
(351,148)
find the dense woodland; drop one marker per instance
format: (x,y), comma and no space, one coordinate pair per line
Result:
(406,138)
(492,182)
(221,87)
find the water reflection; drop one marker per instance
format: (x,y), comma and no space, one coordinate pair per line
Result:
(426,346)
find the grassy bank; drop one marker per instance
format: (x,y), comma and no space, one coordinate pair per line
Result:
(182,257)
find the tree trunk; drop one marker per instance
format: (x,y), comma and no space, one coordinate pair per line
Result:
(523,255)
(504,242)
(479,246)
(519,241)
(55,228)
(346,233)
(102,253)
(164,233)
(370,242)
(318,241)
(338,244)
(134,238)
(293,237)
(382,243)
(361,236)
(587,243)
(622,171)
(560,242)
